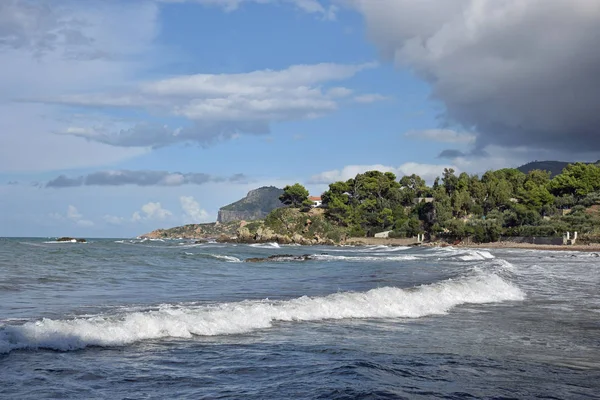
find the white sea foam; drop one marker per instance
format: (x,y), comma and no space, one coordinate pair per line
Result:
(184,321)
(476,255)
(328,257)
(63,241)
(226,258)
(217,256)
(266,245)
(461,254)
(370,249)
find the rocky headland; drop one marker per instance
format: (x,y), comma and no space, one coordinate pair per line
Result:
(256,205)
(283,226)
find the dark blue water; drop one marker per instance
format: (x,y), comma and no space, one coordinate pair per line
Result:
(137,319)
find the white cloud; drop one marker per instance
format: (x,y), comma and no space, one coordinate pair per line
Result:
(113,220)
(151,211)
(220,106)
(48,49)
(56,56)
(85,223)
(441,135)
(192,212)
(136,217)
(371,98)
(72,215)
(426,171)
(339,92)
(521,73)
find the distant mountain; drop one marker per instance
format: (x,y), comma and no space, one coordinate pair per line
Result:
(256,205)
(555,167)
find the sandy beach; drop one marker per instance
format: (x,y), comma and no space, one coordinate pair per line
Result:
(594,247)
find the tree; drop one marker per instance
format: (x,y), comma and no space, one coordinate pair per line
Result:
(577,179)
(294,195)
(450,181)
(414,183)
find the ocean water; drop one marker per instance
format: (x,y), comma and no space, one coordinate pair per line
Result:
(141,319)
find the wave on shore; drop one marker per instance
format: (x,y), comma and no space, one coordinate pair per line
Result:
(184,321)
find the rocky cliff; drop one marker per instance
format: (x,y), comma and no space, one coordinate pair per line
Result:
(256,205)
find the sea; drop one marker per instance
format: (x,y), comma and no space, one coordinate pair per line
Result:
(152,319)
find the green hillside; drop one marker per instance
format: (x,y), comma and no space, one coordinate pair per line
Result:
(554,167)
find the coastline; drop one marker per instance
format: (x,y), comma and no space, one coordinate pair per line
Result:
(593,247)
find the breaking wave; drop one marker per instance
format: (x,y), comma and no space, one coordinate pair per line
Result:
(185,321)
(217,256)
(328,257)
(270,245)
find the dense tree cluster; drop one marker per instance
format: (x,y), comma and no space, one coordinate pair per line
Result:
(503,202)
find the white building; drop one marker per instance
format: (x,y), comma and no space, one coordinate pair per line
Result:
(316,200)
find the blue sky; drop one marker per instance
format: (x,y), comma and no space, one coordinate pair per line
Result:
(119,117)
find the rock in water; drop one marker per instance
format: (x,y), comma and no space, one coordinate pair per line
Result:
(70,239)
(281,257)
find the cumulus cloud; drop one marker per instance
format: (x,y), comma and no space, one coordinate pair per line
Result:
(441,135)
(519,73)
(426,171)
(151,211)
(49,48)
(72,215)
(141,178)
(36,26)
(219,106)
(193,213)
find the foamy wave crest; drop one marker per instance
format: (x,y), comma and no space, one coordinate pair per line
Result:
(463,254)
(226,258)
(477,255)
(266,245)
(217,256)
(327,257)
(236,318)
(379,249)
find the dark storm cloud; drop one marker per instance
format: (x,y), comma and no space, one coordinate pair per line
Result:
(141,178)
(519,73)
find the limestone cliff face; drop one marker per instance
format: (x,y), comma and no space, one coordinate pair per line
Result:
(257,204)
(228,216)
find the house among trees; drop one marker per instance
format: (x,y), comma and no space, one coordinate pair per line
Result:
(418,200)
(316,201)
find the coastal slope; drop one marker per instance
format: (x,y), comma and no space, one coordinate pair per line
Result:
(256,205)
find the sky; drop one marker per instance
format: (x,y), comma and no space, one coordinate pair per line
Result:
(118,117)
